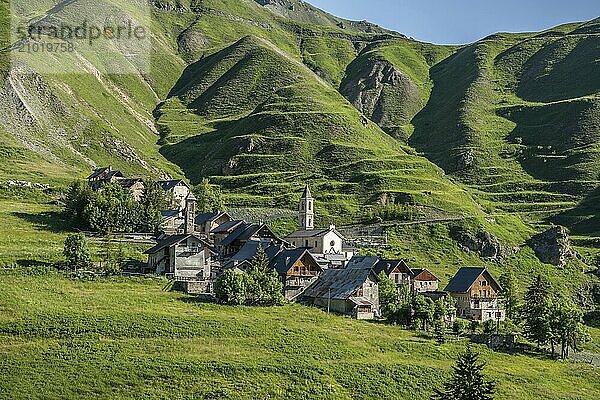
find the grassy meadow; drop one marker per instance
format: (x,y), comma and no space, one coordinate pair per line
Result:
(132,338)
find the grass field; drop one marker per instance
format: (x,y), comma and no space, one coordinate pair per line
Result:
(128,338)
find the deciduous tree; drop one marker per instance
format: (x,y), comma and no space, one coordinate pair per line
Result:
(76,252)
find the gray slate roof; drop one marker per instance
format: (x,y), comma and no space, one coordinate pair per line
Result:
(98,172)
(207,217)
(170,241)
(338,283)
(363,262)
(286,259)
(227,226)
(465,278)
(389,265)
(169,185)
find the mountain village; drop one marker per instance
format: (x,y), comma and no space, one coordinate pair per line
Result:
(315,266)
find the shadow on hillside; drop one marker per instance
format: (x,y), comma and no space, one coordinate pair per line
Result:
(585,218)
(49,221)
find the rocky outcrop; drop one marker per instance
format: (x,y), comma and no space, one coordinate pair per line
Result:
(484,244)
(383,93)
(553,246)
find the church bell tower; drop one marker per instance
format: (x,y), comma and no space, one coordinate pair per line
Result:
(306,210)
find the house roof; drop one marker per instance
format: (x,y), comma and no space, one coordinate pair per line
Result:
(249,250)
(128,183)
(286,259)
(209,217)
(421,271)
(168,214)
(363,262)
(98,172)
(113,174)
(389,265)
(339,283)
(361,301)
(466,277)
(171,241)
(170,185)
(227,227)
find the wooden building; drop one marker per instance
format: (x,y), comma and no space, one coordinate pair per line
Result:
(476,293)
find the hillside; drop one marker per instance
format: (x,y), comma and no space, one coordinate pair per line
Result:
(261,123)
(522,123)
(126,339)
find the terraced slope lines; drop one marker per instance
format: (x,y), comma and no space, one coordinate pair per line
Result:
(260,123)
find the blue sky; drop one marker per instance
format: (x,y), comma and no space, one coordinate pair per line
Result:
(462,21)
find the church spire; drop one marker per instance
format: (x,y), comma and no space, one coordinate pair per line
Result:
(306,210)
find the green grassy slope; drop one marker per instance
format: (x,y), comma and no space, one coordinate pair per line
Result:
(389,82)
(125,339)
(261,123)
(513,117)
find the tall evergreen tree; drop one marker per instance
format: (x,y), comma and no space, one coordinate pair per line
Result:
(537,310)
(509,294)
(468,381)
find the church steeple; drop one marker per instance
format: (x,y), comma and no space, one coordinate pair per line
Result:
(306,210)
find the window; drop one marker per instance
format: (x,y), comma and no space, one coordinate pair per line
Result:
(306,242)
(316,243)
(309,205)
(332,243)
(483,283)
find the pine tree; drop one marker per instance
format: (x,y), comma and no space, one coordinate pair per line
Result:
(467,381)
(509,294)
(537,311)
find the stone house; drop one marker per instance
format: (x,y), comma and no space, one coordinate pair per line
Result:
(135,186)
(206,222)
(184,256)
(177,191)
(104,175)
(476,293)
(397,270)
(350,291)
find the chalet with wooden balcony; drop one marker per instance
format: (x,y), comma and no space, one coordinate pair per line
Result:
(297,270)
(476,293)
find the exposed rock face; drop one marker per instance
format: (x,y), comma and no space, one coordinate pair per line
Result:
(483,243)
(553,246)
(383,93)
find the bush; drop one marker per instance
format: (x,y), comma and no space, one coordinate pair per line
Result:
(76,252)
(461,326)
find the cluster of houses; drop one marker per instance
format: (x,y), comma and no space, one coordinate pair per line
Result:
(315,266)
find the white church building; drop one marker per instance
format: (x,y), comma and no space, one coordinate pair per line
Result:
(325,244)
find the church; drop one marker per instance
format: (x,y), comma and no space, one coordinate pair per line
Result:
(325,244)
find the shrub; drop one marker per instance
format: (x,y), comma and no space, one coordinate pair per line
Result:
(76,252)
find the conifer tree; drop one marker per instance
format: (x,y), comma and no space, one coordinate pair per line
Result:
(509,294)
(537,311)
(468,381)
